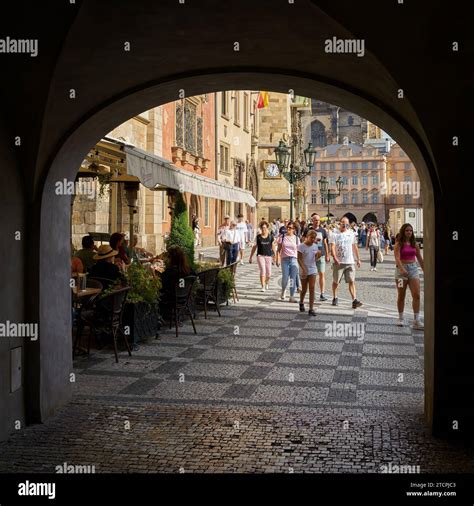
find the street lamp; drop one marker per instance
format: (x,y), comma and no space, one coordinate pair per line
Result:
(285,160)
(327,193)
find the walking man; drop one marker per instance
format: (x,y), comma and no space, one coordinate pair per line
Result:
(343,249)
(243,235)
(223,246)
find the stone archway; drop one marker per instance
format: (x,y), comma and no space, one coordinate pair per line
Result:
(370,218)
(54,390)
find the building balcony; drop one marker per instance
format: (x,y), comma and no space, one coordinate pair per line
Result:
(182,156)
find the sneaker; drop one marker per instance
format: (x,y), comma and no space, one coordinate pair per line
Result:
(400,322)
(302,309)
(371,269)
(312,312)
(356,303)
(375,268)
(292,299)
(335,301)
(241,262)
(282,296)
(418,325)
(323,297)
(267,287)
(262,289)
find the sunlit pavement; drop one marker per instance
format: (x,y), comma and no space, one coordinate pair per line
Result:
(264,388)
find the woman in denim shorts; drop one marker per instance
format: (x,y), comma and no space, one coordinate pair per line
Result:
(407,253)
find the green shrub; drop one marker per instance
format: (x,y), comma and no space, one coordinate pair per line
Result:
(145,287)
(181,233)
(227,282)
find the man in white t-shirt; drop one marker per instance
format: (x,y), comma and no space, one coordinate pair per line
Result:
(243,235)
(343,244)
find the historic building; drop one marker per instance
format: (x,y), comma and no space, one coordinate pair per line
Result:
(237,135)
(403,187)
(103,208)
(189,129)
(376,175)
(281,120)
(330,124)
(363,172)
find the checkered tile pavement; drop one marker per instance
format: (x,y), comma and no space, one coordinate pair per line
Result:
(264,352)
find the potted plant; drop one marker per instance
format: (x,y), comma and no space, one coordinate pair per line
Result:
(141,312)
(225,280)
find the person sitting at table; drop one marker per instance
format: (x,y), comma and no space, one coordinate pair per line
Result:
(177,267)
(117,243)
(76,266)
(86,254)
(105,267)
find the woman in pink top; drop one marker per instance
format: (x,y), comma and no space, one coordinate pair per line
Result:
(288,252)
(407,252)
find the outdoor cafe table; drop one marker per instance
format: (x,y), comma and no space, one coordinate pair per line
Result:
(87,292)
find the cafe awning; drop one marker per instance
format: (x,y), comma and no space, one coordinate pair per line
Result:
(155,172)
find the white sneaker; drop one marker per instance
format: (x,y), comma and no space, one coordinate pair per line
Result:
(262,289)
(267,287)
(371,269)
(282,297)
(418,325)
(375,268)
(400,322)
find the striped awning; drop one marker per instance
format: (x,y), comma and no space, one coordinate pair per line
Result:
(155,172)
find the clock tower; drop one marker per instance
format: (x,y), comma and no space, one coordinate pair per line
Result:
(274,125)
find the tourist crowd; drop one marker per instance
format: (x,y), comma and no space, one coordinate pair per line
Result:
(303,249)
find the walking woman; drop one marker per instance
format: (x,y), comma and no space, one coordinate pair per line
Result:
(287,250)
(387,237)
(407,252)
(265,254)
(308,254)
(373,244)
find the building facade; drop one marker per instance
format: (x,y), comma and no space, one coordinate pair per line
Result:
(402,188)
(363,172)
(237,135)
(189,130)
(104,209)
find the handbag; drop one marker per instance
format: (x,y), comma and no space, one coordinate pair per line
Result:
(379,256)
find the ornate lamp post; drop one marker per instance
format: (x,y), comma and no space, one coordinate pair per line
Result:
(327,193)
(285,160)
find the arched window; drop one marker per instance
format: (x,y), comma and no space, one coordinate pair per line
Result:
(318,134)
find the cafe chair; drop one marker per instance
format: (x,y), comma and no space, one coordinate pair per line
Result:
(208,289)
(105,316)
(182,301)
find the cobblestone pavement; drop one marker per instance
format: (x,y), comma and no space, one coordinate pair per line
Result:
(264,388)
